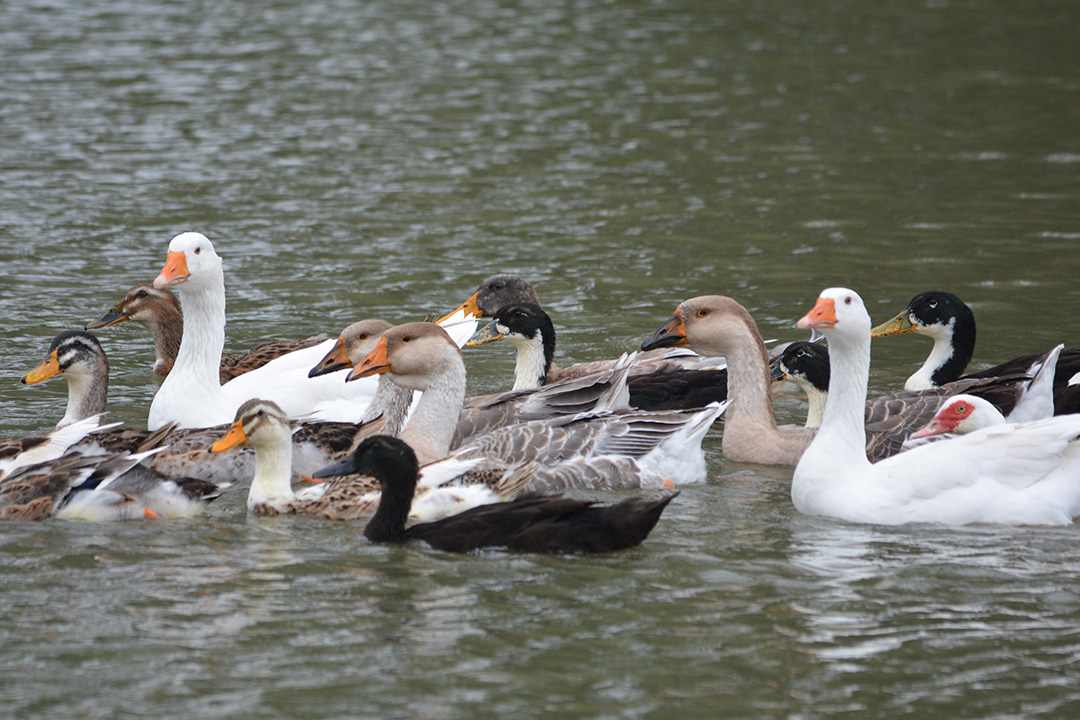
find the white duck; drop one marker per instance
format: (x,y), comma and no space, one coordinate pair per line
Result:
(996,475)
(192,395)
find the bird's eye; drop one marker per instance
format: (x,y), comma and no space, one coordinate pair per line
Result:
(703,312)
(406,339)
(932,303)
(961,408)
(198,250)
(847,300)
(363,336)
(141,294)
(800,352)
(497,287)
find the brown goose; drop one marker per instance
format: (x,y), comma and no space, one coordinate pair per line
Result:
(713,324)
(159,312)
(615,449)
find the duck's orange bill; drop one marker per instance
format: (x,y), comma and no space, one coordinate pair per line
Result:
(336,359)
(821,317)
(44,371)
(174,272)
(375,363)
(150,514)
(234,437)
(469,307)
(671,334)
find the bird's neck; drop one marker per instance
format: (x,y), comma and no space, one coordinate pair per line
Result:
(395,502)
(87,395)
(533,363)
(272,484)
(431,428)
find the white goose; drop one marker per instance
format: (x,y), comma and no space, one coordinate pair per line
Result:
(192,395)
(996,475)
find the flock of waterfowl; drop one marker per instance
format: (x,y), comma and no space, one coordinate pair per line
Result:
(378,422)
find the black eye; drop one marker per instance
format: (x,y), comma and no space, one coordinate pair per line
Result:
(847,300)
(406,339)
(801,353)
(702,312)
(141,294)
(932,303)
(363,336)
(497,287)
(198,250)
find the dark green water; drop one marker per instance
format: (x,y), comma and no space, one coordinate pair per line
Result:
(357,159)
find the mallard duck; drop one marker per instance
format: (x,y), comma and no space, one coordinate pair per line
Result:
(627,448)
(950,323)
(78,357)
(159,312)
(264,426)
(545,524)
(998,475)
(16,453)
(664,386)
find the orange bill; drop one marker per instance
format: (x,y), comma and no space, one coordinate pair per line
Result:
(44,371)
(821,317)
(671,334)
(234,437)
(469,307)
(174,272)
(375,363)
(336,359)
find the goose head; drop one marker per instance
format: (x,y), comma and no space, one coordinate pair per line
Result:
(353,345)
(497,292)
(961,414)
(708,325)
(144,304)
(838,313)
(190,264)
(258,423)
(414,354)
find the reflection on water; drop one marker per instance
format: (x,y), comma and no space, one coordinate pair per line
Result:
(379,160)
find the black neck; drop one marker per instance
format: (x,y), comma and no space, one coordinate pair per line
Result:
(398,483)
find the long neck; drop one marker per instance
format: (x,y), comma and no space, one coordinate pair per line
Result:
(816,400)
(842,435)
(392,403)
(204,332)
(749,384)
(430,430)
(533,362)
(395,501)
(88,394)
(273,471)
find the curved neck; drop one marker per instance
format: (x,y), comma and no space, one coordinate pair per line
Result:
(88,394)
(431,429)
(534,360)
(816,400)
(748,381)
(842,436)
(395,501)
(272,484)
(204,333)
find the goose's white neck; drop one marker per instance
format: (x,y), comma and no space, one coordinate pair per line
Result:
(530,370)
(942,352)
(430,430)
(273,470)
(192,391)
(837,454)
(392,403)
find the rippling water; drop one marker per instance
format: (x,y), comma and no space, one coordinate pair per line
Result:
(357,159)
